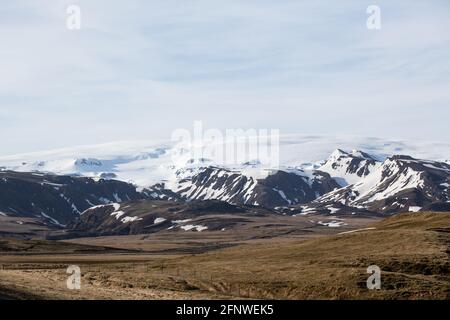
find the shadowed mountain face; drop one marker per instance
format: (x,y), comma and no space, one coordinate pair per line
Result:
(58,200)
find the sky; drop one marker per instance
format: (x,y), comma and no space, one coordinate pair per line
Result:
(141,69)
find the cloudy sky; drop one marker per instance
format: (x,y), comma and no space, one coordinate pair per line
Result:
(140,69)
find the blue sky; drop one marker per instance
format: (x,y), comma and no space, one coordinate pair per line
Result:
(140,69)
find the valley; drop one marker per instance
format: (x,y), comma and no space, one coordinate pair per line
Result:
(411,249)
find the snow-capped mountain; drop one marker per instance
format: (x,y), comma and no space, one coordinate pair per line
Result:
(275,188)
(58,200)
(146,163)
(60,184)
(349,167)
(400,183)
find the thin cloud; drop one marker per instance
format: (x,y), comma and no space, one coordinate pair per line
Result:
(139,69)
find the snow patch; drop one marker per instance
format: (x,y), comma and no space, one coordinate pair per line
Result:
(159,220)
(117,214)
(198,228)
(332,224)
(130,219)
(414,209)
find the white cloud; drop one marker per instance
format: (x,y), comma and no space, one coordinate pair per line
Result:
(139,69)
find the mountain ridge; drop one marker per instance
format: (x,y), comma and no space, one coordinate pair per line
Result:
(346,183)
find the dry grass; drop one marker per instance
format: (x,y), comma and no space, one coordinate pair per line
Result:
(412,251)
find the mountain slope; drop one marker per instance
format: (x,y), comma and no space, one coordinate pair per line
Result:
(58,200)
(349,167)
(151,216)
(278,188)
(401,183)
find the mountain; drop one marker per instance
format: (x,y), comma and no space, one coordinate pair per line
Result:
(58,200)
(326,209)
(55,187)
(145,163)
(349,167)
(214,218)
(272,189)
(400,183)
(151,216)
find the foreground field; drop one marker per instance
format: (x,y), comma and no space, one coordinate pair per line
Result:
(412,251)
